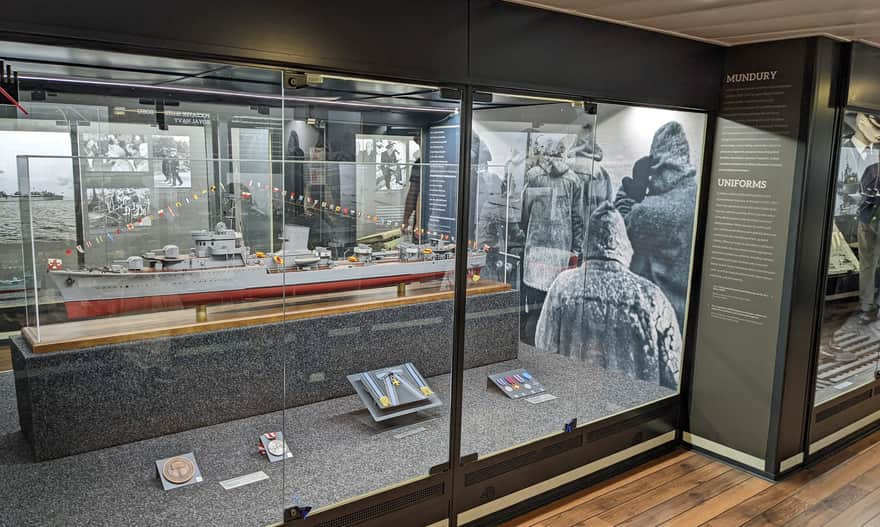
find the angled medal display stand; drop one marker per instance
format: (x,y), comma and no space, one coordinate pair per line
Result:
(394,391)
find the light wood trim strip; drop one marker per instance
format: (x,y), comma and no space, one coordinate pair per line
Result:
(114,332)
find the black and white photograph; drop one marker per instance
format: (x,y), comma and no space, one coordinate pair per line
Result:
(627,297)
(384,169)
(114,152)
(601,246)
(172,161)
(391,172)
(116,207)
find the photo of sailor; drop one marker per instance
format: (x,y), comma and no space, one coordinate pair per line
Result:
(500,176)
(391,169)
(172,166)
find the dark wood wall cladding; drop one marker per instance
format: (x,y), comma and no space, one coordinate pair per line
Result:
(401,38)
(514,45)
(482,41)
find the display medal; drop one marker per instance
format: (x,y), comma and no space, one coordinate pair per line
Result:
(276,447)
(178,470)
(516,383)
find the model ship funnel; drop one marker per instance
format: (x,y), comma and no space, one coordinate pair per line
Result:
(295,238)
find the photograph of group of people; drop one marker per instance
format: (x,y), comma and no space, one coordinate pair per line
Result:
(598,217)
(166,157)
(110,208)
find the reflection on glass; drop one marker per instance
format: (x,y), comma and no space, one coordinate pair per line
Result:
(850,343)
(130,246)
(588,218)
(366,214)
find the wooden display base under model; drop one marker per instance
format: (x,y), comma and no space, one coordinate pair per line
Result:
(117,329)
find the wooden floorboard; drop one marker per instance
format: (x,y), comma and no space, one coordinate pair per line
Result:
(5,359)
(684,489)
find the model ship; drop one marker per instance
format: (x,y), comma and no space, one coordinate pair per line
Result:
(38,195)
(220,269)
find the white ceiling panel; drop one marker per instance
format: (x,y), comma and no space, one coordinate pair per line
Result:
(730,22)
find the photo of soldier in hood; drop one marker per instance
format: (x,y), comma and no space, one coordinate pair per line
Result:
(553,221)
(606,315)
(583,158)
(658,203)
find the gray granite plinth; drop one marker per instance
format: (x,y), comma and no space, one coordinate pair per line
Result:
(86,399)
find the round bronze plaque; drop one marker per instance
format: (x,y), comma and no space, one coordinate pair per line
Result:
(178,470)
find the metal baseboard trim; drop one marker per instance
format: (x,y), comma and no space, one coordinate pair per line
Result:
(724,451)
(572,475)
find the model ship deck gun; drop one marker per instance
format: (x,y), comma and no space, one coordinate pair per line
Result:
(220,268)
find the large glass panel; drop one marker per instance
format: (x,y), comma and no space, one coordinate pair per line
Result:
(586,215)
(367,227)
(849,348)
(148,379)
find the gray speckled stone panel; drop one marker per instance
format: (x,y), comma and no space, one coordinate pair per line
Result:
(81,400)
(339,452)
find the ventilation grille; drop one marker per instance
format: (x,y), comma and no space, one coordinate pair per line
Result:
(626,424)
(839,407)
(521,461)
(381,509)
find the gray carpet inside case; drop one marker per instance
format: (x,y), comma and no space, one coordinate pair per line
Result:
(339,452)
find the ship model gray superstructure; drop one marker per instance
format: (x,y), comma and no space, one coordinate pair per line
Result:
(221,268)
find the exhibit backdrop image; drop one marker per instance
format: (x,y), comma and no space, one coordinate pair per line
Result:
(114,152)
(603,235)
(121,196)
(383,174)
(114,208)
(172,167)
(849,344)
(52,219)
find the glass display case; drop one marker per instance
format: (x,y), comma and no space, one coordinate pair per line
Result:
(588,212)
(247,294)
(231,297)
(849,345)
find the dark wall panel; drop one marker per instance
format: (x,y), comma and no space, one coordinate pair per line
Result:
(864,82)
(400,38)
(514,45)
(510,45)
(742,313)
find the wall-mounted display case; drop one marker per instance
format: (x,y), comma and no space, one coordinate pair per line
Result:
(238,295)
(849,352)
(848,356)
